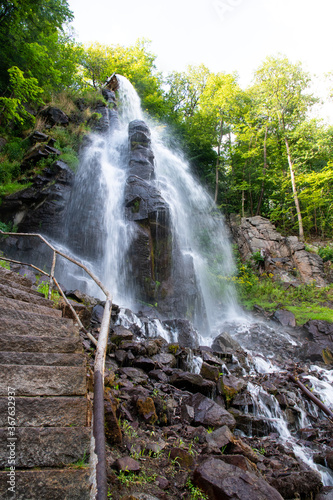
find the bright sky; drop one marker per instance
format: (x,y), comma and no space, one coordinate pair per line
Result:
(225,35)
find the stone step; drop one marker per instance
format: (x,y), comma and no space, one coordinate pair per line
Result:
(15,322)
(17,286)
(43,380)
(25,296)
(31,343)
(14,277)
(18,305)
(45,447)
(46,412)
(58,484)
(41,359)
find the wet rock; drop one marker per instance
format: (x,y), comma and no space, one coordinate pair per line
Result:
(221,480)
(146,364)
(319,345)
(97,314)
(158,375)
(165,359)
(229,386)
(135,374)
(223,342)
(325,494)
(241,462)
(120,333)
(186,333)
(209,372)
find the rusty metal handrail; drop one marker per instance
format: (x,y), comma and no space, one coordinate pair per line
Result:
(98,452)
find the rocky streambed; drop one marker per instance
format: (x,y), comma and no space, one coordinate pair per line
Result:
(216,421)
(216,417)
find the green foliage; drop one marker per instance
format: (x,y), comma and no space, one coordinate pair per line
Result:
(44,287)
(195,492)
(81,463)
(130,478)
(135,62)
(5,264)
(326,253)
(257,257)
(22,91)
(305,301)
(128,429)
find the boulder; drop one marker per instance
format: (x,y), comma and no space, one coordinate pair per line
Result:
(54,116)
(208,413)
(319,341)
(191,382)
(223,342)
(284,317)
(127,464)
(220,437)
(187,335)
(301,484)
(220,480)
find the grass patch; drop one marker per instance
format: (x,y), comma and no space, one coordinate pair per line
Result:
(43,287)
(306,301)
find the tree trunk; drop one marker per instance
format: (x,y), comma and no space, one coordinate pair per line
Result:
(293,183)
(264,174)
(218,160)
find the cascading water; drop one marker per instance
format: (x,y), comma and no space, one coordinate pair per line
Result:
(99,233)
(201,232)
(96,230)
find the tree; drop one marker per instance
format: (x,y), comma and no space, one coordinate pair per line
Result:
(23,91)
(32,38)
(218,102)
(281,86)
(135,62)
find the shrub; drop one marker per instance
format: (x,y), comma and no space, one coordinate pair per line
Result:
(326,253)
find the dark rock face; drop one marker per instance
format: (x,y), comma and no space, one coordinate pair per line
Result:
(150,251)
(158,271)
(40,207)
(187,335)
(223,481)
(283,256)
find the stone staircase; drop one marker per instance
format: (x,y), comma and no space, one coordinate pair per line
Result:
(43,389)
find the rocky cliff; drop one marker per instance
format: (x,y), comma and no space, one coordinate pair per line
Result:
(285,257)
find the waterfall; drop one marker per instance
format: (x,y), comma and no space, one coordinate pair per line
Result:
(99,233)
